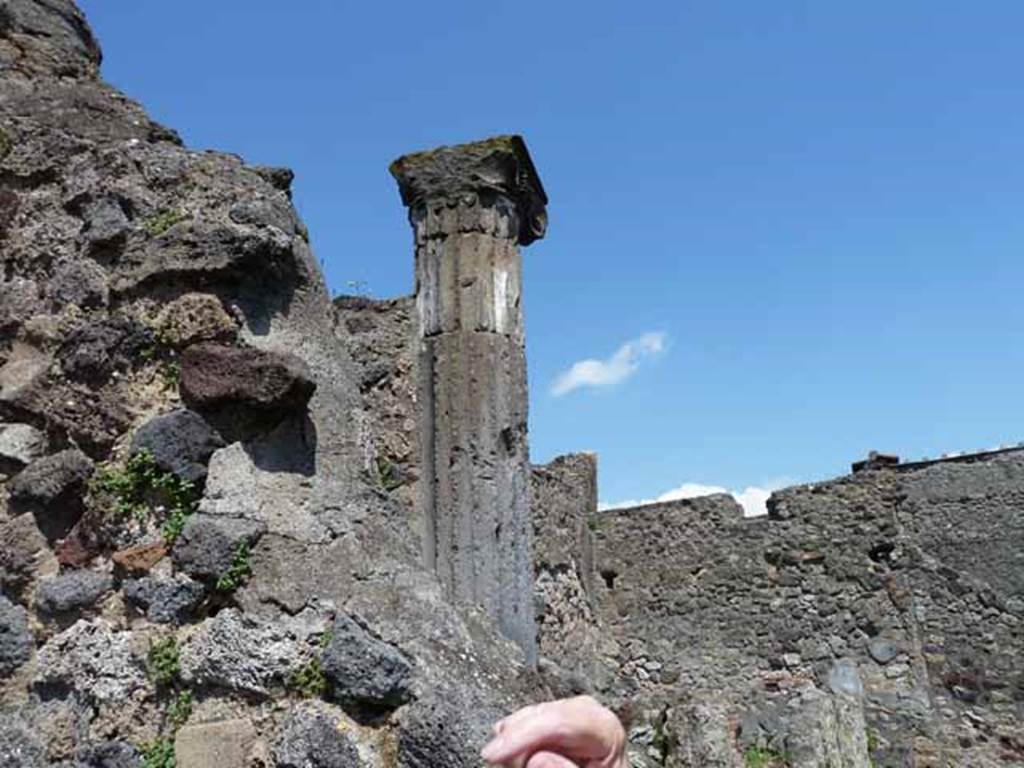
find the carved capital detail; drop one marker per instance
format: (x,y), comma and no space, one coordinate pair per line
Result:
(494,173)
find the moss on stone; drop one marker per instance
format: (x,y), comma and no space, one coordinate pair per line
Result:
(158,224)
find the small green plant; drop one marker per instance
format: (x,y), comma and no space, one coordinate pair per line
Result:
(872,738)
(158,753)
(170,372)
(238,571)
(179,710)
(175,523)
(309,680)
(162,661)
(158,224)
(136,486)
(388,475)
(161,349)
(762,757)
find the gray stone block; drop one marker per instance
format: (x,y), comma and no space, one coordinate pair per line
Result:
(16,641)
(180,442)
(165,601)
(21,444)
(71,591)
(241,654)
(311,738)
(51,479)
(92,660)
(110,754)
(208,544)
(52,489)
(364,669)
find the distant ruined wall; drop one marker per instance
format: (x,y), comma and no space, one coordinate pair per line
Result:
(900,585)
(563,502)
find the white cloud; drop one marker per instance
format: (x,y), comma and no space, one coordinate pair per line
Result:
(753,499)
(604,373)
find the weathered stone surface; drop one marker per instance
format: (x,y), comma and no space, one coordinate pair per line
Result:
(244,391)
(165,600)
(20,745)
(193,318)
(52,39)
(701,734)
(208,544)
(382,338)
(16,640)
(51,479)
(278,177)
(93,660)
(446,728)
(22,546)
(111,754)
(93,352)
(82,283)
(104,221)
(71,591)
(883,651)
(180,442)
(52,488)
(498,167)
(478,530)
(563,502)
(263,483)
(314,736)
(20,444)
(222,744)
(827,730)
(364,669)
(238,653)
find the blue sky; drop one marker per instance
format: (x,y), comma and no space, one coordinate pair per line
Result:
(805,218)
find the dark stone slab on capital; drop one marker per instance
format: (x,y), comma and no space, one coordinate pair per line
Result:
(500,166)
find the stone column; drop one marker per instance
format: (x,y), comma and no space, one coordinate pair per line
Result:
(470,207)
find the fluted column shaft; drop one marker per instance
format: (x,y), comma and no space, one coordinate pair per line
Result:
(473,394)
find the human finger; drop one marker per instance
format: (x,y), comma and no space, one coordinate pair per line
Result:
(544,759)
(550,727)
(579,728)
(515,717)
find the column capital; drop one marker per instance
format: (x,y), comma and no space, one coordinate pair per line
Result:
(482,171)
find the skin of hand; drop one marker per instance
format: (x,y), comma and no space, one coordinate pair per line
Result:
(568,733)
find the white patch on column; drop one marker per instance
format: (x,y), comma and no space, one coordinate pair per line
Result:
(500,299)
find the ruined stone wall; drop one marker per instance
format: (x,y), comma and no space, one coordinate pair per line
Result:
(207,474)
(898,587)
(381,335)
(197,561)
(563,502)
